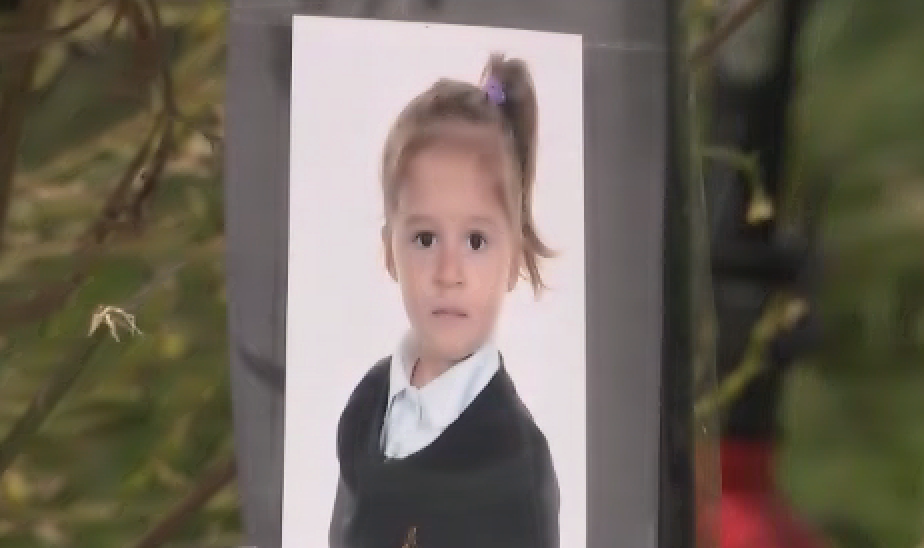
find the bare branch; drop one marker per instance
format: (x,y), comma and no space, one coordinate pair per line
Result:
(47,300)
(213,482)
(761,208)
(780,315)
(115,202)
(146,64)
(28,41)
(50,298)
(45,400)
(117,16)
(154,174)
(16,81)
(167,87)
(704,51)
(51,393)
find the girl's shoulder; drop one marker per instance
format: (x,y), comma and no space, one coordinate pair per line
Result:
(378,372)
(374,381)
(363,402)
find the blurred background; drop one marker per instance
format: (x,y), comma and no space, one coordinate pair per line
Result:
(111,126)
(111,196)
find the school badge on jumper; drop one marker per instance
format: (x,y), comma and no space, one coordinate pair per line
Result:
(411,540)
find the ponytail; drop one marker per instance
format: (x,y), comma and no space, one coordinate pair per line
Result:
(521,112)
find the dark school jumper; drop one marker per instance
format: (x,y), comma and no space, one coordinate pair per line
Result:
(486,482)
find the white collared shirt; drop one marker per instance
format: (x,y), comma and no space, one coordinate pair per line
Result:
(415,417)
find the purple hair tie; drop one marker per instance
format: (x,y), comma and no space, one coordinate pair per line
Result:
(495,90)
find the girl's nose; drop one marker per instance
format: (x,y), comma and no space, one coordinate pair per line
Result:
(449,270)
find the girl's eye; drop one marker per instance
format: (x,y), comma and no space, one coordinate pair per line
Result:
(425,239)
(476,240)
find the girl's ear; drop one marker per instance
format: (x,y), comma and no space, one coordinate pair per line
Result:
(389,253)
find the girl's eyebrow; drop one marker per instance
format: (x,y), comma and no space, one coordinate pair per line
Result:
(422,218)
(482,220)
(417,218)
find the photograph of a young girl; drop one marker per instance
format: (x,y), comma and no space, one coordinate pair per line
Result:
(435,442)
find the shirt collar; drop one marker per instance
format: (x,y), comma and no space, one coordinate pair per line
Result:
(402,365)
(444,398)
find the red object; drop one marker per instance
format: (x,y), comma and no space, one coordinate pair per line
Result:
(752,512)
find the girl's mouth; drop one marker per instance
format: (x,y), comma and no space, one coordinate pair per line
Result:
(449,313)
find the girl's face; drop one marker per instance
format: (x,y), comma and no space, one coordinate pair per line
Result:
(452,250)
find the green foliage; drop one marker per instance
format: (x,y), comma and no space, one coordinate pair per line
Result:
(854,414)
(854,439)
(149,415)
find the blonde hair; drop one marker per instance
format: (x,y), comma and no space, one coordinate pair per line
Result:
(460,112)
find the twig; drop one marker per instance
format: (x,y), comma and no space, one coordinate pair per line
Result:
(51,393)
(214,481)
(779,314)
(117,15)
(50,298)
(28,41)
(17,80)
(154,174)
(45,400)
(115,202)
(160,56)
(145,64)
(167,90)
(707,48)
(47,301)
(761,208)
(160,280)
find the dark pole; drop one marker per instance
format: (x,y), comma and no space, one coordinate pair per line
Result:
(676,508)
